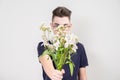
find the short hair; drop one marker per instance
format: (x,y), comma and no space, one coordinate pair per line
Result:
(61,12)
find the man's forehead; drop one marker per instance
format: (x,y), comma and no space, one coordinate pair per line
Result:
(61,20)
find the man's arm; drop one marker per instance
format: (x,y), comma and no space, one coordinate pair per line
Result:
(49,68)
(82,74)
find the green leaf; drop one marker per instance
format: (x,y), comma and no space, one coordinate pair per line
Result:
(53,56)
(71,66)
(46,52)
(69,57)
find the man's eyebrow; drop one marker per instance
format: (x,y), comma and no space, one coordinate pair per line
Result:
(61,24)
(65,24)
(56,24)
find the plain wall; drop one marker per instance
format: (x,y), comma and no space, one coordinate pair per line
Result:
(96,22)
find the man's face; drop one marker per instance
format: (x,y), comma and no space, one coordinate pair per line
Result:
(57,21)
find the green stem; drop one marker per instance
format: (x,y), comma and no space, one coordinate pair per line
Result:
(62,61)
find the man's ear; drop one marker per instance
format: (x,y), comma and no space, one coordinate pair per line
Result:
(70,25)
(51,25)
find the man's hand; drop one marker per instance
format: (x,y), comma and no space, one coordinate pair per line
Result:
(49,69)
(56,74)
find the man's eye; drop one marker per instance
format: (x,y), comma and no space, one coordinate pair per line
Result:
(56,25)
(65,24)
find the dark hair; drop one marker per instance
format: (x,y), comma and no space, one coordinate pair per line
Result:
(61,12)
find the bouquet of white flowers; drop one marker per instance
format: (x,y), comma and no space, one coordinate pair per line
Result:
(59,46)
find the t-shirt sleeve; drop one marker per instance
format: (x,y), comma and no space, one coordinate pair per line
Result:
(40,48)
(83,56)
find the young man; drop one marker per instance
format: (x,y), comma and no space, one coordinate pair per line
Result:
(61,16)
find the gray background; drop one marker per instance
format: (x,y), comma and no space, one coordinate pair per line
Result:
(96,22)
